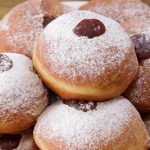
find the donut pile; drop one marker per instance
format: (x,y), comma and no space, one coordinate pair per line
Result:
(75,79)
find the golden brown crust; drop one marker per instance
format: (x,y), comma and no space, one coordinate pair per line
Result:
(87,91)
(120,11)
(118,75)
(139,91)
(137,25)
(20,121)
(128,133)
(23,97)
(24,23)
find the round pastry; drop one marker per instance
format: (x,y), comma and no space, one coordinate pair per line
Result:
(72,125)
(22,94)
(20,141)
(82,55)
(120,11)
(24,23)
(139,31)
(139,91)
(132,14)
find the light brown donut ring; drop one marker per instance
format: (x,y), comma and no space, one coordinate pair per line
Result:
(22,95)
(85,69)
(112,125)
(139,91)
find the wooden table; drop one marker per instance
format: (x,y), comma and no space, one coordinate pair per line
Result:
(6,5)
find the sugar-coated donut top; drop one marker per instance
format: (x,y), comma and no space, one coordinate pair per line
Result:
(19,87)
(22,25)
(121,10)
(74,57)
(76,129)
(138,91)
(125,12)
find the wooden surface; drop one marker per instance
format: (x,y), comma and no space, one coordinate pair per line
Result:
(6,5)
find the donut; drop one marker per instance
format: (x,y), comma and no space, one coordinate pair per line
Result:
(139,31)
(19,141)
(133,15)
(120,11)
(21,27)
(72,125)
(139,91)
(85,56)
(22,95)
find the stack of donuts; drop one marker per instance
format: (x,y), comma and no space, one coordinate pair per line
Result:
(75,79)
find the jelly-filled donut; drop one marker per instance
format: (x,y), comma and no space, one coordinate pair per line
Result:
(139,91)
(120,11)
(82,55)
(139,31)
(111,125)
(132,14)
(22,94)
(21,27)
(19,141)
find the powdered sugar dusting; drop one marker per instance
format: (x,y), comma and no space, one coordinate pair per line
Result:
(76,57)
(86,130)
(4,24)
(138,91)
(132,14)
(20,89)
(27,141)
(5,63)
(121,10)
(22,26)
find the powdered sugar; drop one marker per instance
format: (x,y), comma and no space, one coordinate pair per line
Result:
(119,11)
(5,63)
(20,89)
(27,141)
(4,24)
(22,26)
(76,57)
(132,14)
(92,130)
(138,91)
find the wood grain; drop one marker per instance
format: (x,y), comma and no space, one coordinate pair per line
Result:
(6,5)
